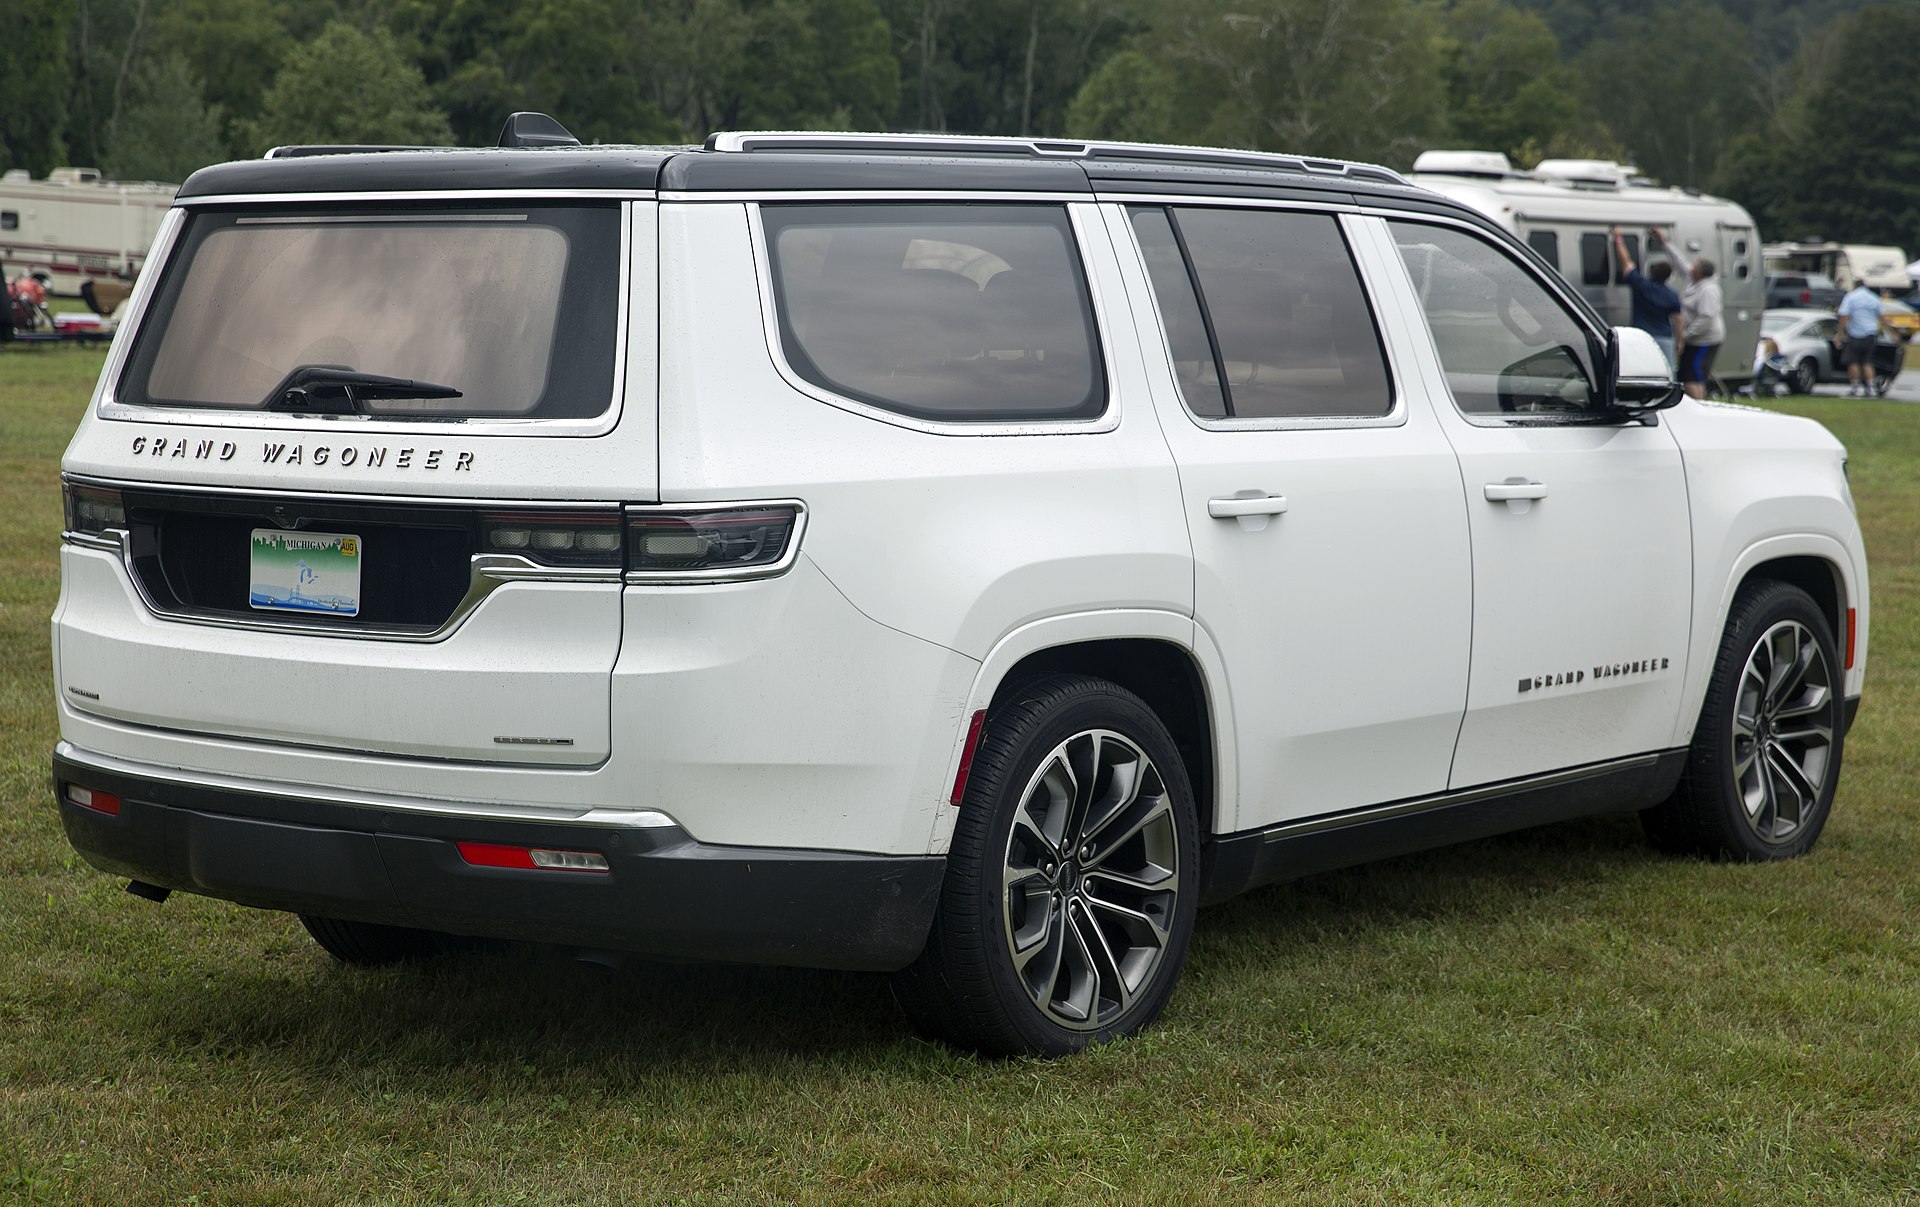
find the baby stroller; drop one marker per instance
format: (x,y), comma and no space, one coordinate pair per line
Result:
(1770,370)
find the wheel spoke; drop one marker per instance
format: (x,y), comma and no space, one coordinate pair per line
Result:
(1153,929)
(1163,880)
(1126,782)
(1814,700)
(1155,809)
(1811,735)
(1106,967)
(1806,793)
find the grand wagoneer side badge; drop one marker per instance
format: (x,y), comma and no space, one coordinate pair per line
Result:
(346,456)
(1610,670)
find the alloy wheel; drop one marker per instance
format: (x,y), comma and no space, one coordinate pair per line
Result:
(1090,879)
(1783,732)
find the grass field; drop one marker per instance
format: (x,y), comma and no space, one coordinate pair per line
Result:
(1559,1016)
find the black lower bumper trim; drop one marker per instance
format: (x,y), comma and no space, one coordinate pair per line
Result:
(664,894)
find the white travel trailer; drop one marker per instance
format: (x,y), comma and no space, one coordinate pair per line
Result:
(1564,207)
(78,226)
(1881,267)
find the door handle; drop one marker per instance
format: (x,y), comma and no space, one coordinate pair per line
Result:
(1514,488)
(1252,508)
(1233,507)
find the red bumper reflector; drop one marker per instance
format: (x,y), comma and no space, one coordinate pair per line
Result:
(542,859)
(1851,617)
(99,802)
(966,757)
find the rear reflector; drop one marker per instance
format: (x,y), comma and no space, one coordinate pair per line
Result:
(99,802)
(495,855)
(966,757)
(1850,632)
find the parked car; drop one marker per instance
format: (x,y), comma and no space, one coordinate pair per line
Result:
(952,557)
(1802,291)
(1899,320)
(1804,342)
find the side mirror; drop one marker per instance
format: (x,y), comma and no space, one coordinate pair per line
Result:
(1638,379)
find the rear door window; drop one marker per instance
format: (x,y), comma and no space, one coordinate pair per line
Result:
(1292,334)
(955,313)
(516,308)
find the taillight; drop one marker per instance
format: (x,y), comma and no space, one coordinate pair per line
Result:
(559,538)
(1852,622)
(750,541)
(91,510)
(1806,295)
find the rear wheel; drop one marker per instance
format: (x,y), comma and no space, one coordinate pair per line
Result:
(1766,753)
(370,944)
(1072,879)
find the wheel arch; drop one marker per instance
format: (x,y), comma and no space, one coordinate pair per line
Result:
(1821,566)
(1160,657)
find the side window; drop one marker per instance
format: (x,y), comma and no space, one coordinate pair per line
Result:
(1596,259)
(1547,243)
(9,220)
(1292,334)
(1633,253)
(1824,329)
(1507,345)
(974,313)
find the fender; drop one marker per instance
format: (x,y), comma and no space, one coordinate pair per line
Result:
(1711,622)
(1073,628)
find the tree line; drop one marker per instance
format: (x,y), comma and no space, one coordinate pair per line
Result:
(1772,102)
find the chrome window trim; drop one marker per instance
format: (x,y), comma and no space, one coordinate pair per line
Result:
(696,578)
(380,497)
(1396,417)
(950,196)
(637,819)
(1557,288)
(1207,199)
(108,406)
(1080,217)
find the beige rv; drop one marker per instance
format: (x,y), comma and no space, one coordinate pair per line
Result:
(1879,266)
(77,226)
(1563,209)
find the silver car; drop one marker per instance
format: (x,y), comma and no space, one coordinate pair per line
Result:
(1805,342)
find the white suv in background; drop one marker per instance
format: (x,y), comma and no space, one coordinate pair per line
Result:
(960,558)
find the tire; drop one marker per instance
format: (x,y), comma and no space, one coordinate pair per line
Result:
(1072,880)
(370,944)
(1766,753)
(1804,376)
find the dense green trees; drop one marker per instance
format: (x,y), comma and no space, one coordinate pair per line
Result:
(1748,97)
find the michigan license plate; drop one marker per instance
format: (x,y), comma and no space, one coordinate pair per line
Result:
(305,572)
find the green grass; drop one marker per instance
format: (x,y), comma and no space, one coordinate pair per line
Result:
(1558,1016)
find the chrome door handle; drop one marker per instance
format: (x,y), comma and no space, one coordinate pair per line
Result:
(1233,507)
(1514,488)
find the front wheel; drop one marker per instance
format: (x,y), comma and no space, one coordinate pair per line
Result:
(1072,879)
(1766,753)
(1805,376)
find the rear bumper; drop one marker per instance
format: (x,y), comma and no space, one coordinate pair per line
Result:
(665,894)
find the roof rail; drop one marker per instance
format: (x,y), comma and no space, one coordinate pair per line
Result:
(302,151)
(1049,148)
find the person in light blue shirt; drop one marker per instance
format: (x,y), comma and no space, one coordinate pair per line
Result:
(1861,311)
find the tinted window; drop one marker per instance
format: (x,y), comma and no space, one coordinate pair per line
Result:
(1596,260)
(1187,341)
(1293,332)
(1547,243)
(1507,345)
(9,220)
(1633,250)
(960,313)
(516,308)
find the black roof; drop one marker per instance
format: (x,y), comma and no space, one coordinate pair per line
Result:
(776,162)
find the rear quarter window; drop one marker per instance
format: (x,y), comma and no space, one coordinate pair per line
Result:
(515,307)
(955,313)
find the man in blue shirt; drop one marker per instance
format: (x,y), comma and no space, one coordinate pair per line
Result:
(1656,307)
(1861,311)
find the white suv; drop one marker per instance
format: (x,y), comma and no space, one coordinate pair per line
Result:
(954,557)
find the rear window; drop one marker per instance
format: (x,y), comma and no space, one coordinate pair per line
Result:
(959,313)
(514,307)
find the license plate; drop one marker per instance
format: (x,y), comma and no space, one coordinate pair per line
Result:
(305,572)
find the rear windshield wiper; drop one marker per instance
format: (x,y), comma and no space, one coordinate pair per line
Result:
(341,389)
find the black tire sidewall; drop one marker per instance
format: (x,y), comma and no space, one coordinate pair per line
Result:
(1713,790)
(1008,758)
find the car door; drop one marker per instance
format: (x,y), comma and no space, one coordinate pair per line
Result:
(1582,560)
(1329,528)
